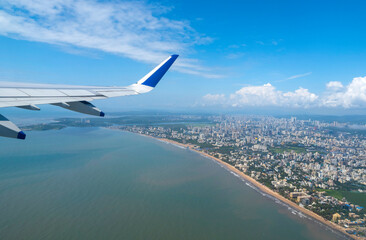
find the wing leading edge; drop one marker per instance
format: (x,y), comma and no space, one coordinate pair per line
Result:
(74,98)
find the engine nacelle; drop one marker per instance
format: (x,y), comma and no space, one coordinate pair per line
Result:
(9,129)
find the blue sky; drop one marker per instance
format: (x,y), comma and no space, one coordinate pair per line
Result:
(306,56)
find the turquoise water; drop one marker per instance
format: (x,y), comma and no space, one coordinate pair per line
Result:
(103,184)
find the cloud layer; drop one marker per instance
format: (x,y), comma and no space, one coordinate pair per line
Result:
(336,95)
(132,29)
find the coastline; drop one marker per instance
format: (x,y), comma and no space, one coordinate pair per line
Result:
(262,188)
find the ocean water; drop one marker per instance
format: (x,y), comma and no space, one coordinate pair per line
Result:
(90,183)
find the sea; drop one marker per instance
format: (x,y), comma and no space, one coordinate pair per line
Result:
(95,183)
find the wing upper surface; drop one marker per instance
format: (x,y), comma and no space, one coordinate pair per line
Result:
(13,95)
(74,98)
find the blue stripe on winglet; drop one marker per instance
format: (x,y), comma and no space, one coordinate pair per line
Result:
(158,74)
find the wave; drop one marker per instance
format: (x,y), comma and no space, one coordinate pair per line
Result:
(170,143)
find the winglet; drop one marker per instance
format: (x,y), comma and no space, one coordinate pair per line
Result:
(153,77)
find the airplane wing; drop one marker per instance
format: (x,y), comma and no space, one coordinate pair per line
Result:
(74,98)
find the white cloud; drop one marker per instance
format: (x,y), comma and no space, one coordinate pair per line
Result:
(132,29)
(295,77)
(300,98)
(234,55)
(267,95)
(214,99)
(254,95)
(334,85)
(237,45)
(351,96)
(299,76)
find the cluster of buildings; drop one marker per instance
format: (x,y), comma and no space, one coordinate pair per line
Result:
(304,160)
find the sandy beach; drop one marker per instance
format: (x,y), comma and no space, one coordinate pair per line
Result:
(262,188)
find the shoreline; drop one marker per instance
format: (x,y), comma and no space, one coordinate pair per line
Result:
(262,188)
